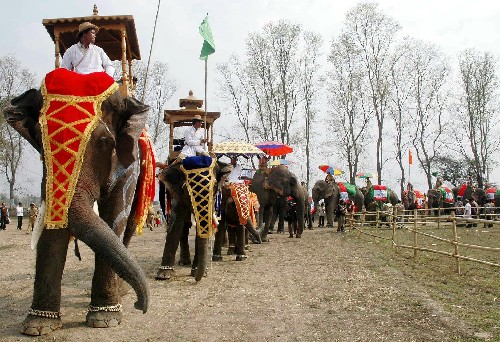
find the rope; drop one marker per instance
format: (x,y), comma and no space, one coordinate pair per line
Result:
(150,51)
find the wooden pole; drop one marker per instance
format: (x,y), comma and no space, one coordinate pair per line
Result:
(455,242)
(205,115)
(394,219)
(415,240)
(439,217)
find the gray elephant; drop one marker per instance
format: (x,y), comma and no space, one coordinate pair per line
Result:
(278,181)
(441,198)
(371,196)
(235,222)
(470,191)
(330,192)
(89,145)
(183,204)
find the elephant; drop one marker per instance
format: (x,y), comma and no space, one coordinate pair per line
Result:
(181,208)
(469,191)
(372,205)
(330,193)
(231,221)
(392,197)
(279,213)
(105,169)
(436,199)
(271,183)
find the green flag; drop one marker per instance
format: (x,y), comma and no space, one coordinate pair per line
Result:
(208,47)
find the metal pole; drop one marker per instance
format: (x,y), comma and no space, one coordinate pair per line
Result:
(205,115)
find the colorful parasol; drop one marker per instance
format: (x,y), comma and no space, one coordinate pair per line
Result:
(237,148)
(329,169)
(365,175)
(274,148)
(280,162)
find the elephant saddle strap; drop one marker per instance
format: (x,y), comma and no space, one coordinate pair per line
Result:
(241,197)
(71,110)
(200,184)
(146,182)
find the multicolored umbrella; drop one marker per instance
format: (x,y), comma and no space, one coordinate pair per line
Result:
(280,162)
(274,148)
(365,175)
(329,169)
(236,148)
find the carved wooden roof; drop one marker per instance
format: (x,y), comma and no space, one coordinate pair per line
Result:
(108,37)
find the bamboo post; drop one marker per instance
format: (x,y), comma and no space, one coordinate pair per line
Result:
(377,217)
(394,220)
(439,217)
(455,242)
(415,240)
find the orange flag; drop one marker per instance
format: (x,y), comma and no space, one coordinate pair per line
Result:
(410,158)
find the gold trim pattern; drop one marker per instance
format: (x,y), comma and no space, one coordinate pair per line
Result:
(200,184)
(77,156)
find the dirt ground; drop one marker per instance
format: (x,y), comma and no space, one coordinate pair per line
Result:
(325,286)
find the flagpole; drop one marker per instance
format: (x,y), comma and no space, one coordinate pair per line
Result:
(205,116)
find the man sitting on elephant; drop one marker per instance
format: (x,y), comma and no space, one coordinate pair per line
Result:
(84,57)
(194,140)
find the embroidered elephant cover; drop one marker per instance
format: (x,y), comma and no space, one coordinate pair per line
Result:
(146,191)
(447,194)
(70,112)
(346,190)
(379,193)
(241,196)
(491,192)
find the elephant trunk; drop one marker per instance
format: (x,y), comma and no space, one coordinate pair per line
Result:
(93,231)
(202,251)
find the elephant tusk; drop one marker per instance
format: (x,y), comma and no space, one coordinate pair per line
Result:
(38,228)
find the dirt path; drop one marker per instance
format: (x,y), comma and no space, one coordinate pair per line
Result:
(323,287)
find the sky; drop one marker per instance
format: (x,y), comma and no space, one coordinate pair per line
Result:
(453,25)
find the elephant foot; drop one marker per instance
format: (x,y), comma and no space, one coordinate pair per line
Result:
(298,236)
(265,238)
(329,226)
(241,257)
(34,325)
(231,250)
(184,262)
(291,236)
(165,273)
(193,272)
(216,257)
(105,319)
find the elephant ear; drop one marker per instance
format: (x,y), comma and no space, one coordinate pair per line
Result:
(130,127)
(22,114)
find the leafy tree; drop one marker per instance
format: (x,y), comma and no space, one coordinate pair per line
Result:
(451,169)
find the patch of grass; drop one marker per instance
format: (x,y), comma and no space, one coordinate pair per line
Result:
(473,296)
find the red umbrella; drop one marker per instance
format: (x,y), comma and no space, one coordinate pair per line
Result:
(274,148)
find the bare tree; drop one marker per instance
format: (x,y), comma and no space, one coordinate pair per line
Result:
(273,69)
(311,83)
(350,115)
(373,33)
(14,79)
(429,71)
(479,89)
(159,89)
(234,90)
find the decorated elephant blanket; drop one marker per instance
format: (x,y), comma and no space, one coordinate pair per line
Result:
(244,206)
(146,182)
(346,190)
(200,182)
(461,190)
(447,195)
(379,193)
(491,192)
(419,199)
(70,112)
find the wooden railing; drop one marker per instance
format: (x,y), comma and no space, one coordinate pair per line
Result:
(384,225)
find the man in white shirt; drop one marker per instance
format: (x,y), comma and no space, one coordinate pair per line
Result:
(84,57)
(20,214)
(194,139)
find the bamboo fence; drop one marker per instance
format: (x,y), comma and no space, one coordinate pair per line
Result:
(375,223)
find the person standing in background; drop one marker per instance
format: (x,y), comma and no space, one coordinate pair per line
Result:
(32,215)
(20,214)
(4,211)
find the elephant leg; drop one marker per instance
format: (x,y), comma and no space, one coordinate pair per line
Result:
(231,234)
(176,225)
(240,242)
(185,256)
(44,315)
(219,239)
(267,220)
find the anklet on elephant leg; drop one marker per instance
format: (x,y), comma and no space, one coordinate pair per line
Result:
(47,314)
(109,308)
(166,268)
